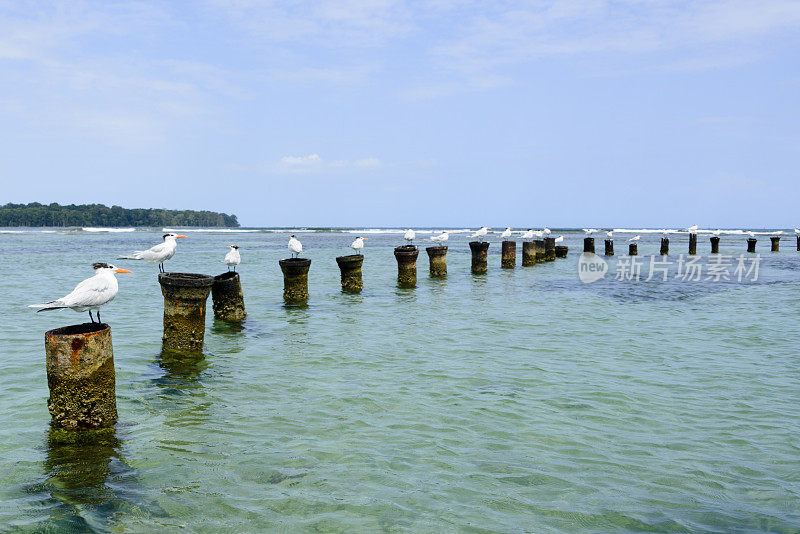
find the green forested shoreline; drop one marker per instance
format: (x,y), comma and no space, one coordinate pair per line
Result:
(36,214)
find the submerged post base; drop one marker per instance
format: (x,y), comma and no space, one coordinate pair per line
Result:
(549,249)
(227,297)
(406,257)
(538,248)
(528,253)
(562,250)
(350,268)
(185,296)
(295,279)
(508,254)
(437,257)
(81,377)
(479,251)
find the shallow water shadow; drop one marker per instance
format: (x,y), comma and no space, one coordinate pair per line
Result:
(87,484)
(182,367)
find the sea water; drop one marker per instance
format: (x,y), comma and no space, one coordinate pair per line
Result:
(522,400)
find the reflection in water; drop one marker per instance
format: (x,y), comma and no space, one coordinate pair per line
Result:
(88,485)
(223,328)
(181,367)
(406,295)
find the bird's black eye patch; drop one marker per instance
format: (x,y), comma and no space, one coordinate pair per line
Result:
(165,236)
(99,266)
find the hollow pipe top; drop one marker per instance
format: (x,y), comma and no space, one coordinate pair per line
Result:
(351,259)
(224,277)
(77,329)
(187,280)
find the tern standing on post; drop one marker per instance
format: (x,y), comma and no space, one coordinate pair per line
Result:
(358,244)
(294,246)
(159,253)
(233,258)
(506,233)
(91,294)
(481,233)
(409,236)
(441,238)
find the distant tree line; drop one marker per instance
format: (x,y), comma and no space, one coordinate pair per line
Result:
(36,214)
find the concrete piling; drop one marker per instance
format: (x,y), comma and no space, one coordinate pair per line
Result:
(588,245)
(185,296)
(609,247)
(751,244)
(295,279)
(80,376)
(350,268)
(479,256)
(633,249)
(561,251)
(508,254)
(664,246)
(774,243)
(798,243)
(692,244)
(437,259)
(528,253)
(406,257)
(549,249)
(538,249)
(227,298)
(715,245)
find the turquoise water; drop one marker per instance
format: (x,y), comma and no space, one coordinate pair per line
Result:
(523,400)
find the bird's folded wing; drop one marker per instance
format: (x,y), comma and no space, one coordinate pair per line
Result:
(90,292)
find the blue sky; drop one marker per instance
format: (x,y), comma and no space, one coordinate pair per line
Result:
(390,112)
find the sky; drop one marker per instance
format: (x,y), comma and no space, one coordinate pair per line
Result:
(561,113)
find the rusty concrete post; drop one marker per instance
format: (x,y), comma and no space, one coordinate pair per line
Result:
(549,248)
(437,258)
(633,249)
(350,268)
(480,264)
(715,245)
(185,296)
(508,254)
(751,244)
(561,251)
(528,253)
(798,243)
(774,243)
(80,376)
(664,246)
(227,298)
(295,279)
(588,245)
(406,257)
(692,244)
(609,247)
(538,248)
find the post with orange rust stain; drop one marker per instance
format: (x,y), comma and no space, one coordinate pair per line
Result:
(80,376)
(185,296)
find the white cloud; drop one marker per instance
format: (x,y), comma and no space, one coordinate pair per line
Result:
(313,163)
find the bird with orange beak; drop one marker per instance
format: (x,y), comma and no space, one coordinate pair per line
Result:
(91,294)
(159,253)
